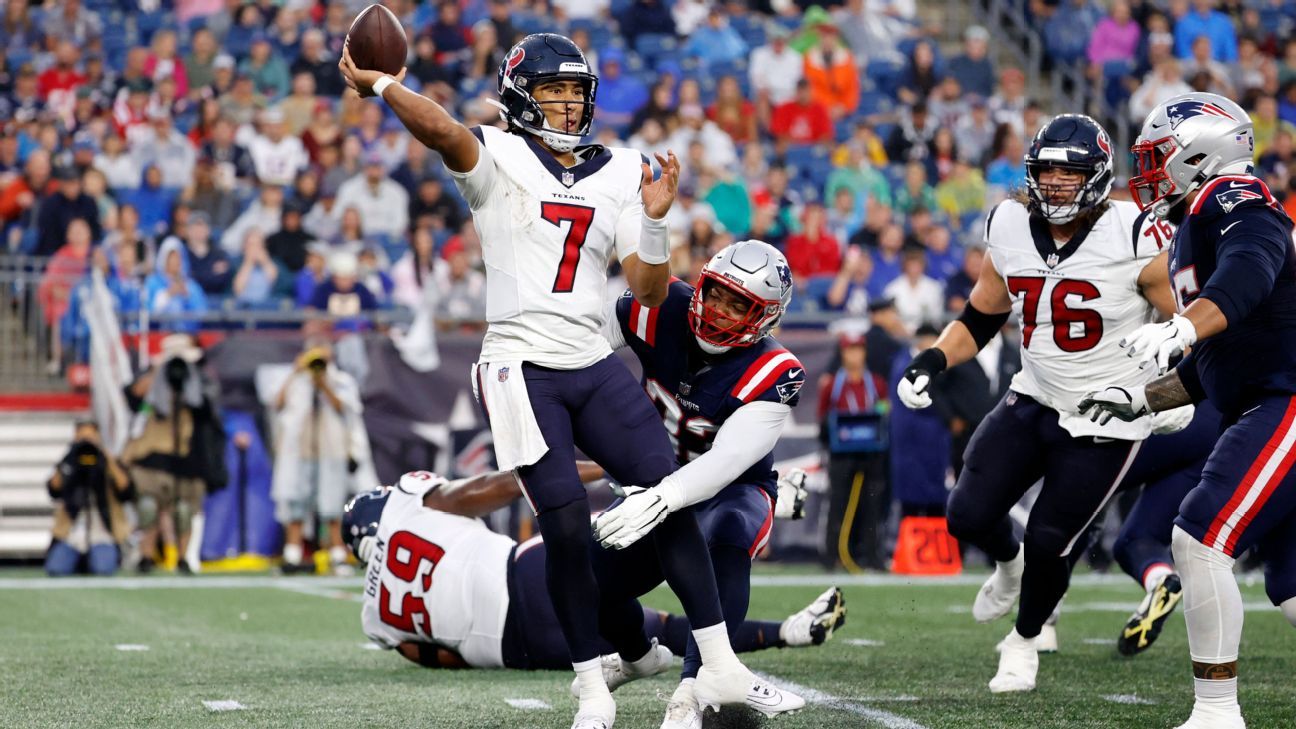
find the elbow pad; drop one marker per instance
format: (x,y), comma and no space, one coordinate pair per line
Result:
(983,326)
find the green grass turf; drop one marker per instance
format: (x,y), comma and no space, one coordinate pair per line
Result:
(295,660)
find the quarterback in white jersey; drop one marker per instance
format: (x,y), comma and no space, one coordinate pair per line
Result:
(550,215)
(1080,272)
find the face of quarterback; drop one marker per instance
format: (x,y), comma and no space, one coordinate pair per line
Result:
(1060,186)
(729,303)
(562,101)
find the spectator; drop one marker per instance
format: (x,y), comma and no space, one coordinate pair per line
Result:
(485,54)
(461,288)
(414,272)
(323,134)
(209,266)
(432,208)
(70,20)
(918,297)
(646,16)
(59,209)
(1205,20)
(886,258)
(171,473)
(784,202)
(128,234)
(318,412)
(1067,32)
(267,71)
(243,102)
(264,214)
(865,32)
(959,286)
(506,34)
(961,193)
(315,59)
(372,268)
(920,444)
(449,33)
(1009,103)
(170,290)
(850,289)
(916,192)
(886,337)
(619,95)
(254,284)
(164,62)
(813,251)
(717,149)
(312,274)
(942,151)
(200,64)
(909,139)
(342,295)
(734,115)
(920,75)
(383,204)
(89,488)
(1279,160)
(1005,172)
(64,270)
(439,79)
(715,42)
(858,175)
(58,84)
(160,144)
(845,216)
(21,194)
(287,246)
(688,15)
(1115,38)
(1252,67)
(1201,63)
(153,201)
(219,203)
(834,78)
(119,166)
(1164,82)
(18,32)
(973,68)
(299,106)
(852,426)
(802,120)
(234,167)
(774,70)
(975,132)
(277,156)
(1267,124)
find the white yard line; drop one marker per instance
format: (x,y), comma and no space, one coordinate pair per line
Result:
(321,591)
(865,643)
(224,705)
(528,704)
(1128,699)
(1112,607)
(131,647)
(814,696)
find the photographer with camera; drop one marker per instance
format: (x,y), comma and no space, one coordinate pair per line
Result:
(318,426)
(88,488)
(177,449)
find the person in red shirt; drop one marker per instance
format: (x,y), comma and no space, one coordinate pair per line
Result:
(62,79)
(802,120)
(813,251)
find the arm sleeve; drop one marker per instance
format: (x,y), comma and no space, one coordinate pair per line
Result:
(743,439)
(1249,258)
(477,184)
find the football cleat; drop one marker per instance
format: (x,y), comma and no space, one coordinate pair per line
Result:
(1018,664)
(595,714)
(999,593)
(1143,627)
(617,673)
(1212,718)
(682,712)
(735,684)
(792,495)
(815,623)
(772,701)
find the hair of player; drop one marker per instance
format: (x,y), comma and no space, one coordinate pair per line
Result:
(1088,217)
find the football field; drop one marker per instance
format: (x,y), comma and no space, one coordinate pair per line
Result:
(265,651)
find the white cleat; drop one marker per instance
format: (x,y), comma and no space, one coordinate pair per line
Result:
(772,701)
(683,712)
(814,624)
(595,714)
(617,673)
(1213,718)
(999,593)
(735,684)
(1018,664)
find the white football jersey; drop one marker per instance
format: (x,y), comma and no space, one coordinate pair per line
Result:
(1074,304)
(436,578)
(547,236)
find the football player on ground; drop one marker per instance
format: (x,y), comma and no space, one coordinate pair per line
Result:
(725,388)
(445,591)
(551,214)
(1080,272)
(1234,273)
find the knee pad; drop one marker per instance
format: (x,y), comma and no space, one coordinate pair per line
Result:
(148,512)
(1289,610)
(1187,549)
(184,514)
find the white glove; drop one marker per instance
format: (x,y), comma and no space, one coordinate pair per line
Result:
(913,393)
(791,495)
(1160,342)
(632,519)
(1172,421)
(1115,402)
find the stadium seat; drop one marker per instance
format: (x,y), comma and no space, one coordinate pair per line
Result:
(651,46)
(816,290)
(885,76)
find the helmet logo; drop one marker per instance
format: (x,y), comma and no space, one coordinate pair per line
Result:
(1177,113)
(1104,144)
(514,60)
(785,277)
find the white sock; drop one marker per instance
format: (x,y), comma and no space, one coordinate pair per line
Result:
(292,553)
(1154,574)
(1013,567)
(1212,612)
(589,674)
(1289,610)
(338,554)
(684,692)
(713,644)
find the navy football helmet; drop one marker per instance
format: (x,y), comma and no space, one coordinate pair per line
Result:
(537,59)
(360,519)
(1070,142)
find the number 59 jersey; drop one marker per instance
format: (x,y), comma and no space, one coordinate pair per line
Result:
(1074,304)
(436,578)
(547,235)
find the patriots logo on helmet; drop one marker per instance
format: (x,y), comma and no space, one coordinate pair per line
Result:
(785,277)
(1230,199)
(1177,113)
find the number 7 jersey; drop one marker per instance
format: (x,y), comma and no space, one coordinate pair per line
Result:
(1074,304)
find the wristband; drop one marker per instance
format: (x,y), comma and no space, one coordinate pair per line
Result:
(381,85)
(932,361)
(654,241)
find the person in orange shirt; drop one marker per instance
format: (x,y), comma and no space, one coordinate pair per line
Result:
(834,78)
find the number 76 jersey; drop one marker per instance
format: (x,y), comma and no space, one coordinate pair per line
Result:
(1074,304)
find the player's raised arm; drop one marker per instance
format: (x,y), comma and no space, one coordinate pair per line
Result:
(642,238)
(480,495)
(425,119)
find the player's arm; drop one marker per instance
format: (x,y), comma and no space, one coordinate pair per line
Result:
(480,495)
(612,325)
(431,656)
(642,238)
(742,440)
(1154,285)
(983,316)
(425,119)
(1176,388)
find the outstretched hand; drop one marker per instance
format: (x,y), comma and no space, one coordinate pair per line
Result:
(360,79)
(660,195)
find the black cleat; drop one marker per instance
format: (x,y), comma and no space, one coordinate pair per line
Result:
(1145,624)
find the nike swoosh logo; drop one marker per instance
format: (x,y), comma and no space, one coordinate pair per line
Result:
(1239,184)
(796,372)
(1229,227)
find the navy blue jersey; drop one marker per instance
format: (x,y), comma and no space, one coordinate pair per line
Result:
(696,392)
(1235,248)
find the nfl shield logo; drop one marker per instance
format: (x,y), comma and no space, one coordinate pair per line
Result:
(568,179)
(685,388)
(1052,260)
(503,374)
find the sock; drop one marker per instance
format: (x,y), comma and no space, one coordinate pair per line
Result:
(1217,694)
(292,553)
(733,580)
(1212,612)
(570,578)
(713,645)
(1289,610)
(338,554)
(1044,582)
(754,635)
(1154,574)
(686,564)
(684,693)
(589,676)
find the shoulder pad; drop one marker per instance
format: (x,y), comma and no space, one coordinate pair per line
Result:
(418,483)
(775,376)
(1005,211)
(1223,195)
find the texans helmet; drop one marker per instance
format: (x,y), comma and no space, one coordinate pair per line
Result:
(757,274)
(360,519)
(538,59)
(1070,142)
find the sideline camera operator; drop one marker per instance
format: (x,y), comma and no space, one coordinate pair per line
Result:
(88,488)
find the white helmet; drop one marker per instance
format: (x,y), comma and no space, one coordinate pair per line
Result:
(1185,142)
(757,273)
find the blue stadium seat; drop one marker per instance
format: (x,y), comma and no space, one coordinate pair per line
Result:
(885,75)
(799,157)
(651,46)
(895,175)
(874,102)
(816,290)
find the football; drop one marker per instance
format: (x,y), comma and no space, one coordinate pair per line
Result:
(377,41)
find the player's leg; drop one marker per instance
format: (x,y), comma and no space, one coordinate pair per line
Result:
(1003,459)
(330,497)
(1142,549)
(1247,489)
(1278,549)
